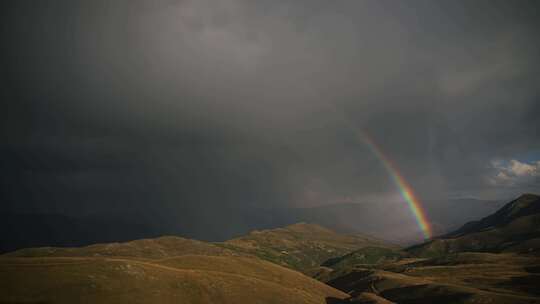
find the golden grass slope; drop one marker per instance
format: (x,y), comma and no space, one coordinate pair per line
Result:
(185,279)
(178,270)
(158,248)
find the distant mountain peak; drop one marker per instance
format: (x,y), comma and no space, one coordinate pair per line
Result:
(513,228)
(524,205)
(528,196)
(526,202)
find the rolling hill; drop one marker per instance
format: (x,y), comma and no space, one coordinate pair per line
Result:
(365,256)
(184,279)
(300,246)
(158,248)
(177,270)
(170,270)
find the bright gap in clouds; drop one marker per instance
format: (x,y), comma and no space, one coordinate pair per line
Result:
(515,173)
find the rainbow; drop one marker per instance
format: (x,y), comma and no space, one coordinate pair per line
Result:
(405,189)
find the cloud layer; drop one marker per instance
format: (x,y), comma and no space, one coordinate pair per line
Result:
(196,107)
(516,174)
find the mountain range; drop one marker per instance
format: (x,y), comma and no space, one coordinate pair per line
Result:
(495,259)
(23,230)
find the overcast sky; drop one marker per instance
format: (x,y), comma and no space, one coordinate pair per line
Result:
(200,105)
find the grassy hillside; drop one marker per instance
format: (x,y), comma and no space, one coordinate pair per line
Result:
(299,246)
(158,248)
(185,279)
(365,256)
(177,270)
(504,269)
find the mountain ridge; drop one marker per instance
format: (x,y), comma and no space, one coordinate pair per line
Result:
(21,230)
(513,228)
(526,204)
(272,266)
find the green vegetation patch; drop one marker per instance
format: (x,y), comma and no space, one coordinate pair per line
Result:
(364,256)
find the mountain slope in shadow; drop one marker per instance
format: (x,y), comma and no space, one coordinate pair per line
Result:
(514,228)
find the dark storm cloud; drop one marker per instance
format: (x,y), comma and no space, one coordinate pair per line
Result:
(193,107)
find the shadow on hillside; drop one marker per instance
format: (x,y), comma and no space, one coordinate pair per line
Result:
(332,300)
(425,294)
(528,283)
